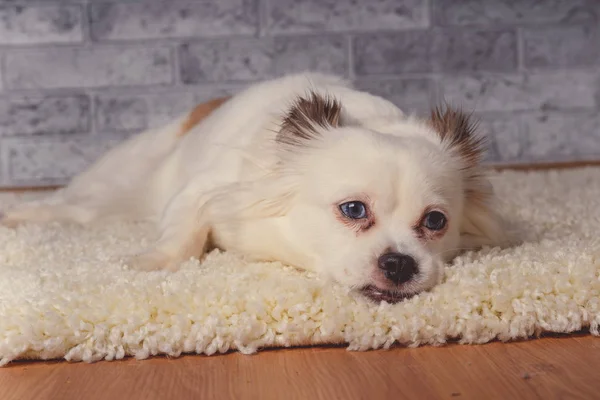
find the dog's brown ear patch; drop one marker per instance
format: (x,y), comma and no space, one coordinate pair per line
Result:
(306,115)
(200,112)
(457,130)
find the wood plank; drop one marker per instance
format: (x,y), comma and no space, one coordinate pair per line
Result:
(546,166)
(548,368)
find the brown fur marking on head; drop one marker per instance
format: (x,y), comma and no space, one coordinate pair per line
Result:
(306,115)
(200,112)
(457,130)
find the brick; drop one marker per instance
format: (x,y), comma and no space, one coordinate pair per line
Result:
(496,12)
(121,113)
(52,160)
(469,50)
(549,136)
(88,67)
(463,50)
(569,46)
(19,2)
(392,53)
(410,95)
(239,60)
(556,136)
(137,112)
(527,91)
(116,21)
(503,133)
(44,115)
(27,24)
(300,16)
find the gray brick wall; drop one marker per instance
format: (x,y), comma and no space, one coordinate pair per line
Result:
(78,76)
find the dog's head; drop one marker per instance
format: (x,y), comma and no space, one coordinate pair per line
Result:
(382,212)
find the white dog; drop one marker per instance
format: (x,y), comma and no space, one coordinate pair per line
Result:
(302,169)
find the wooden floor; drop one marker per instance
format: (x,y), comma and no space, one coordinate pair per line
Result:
(548,368)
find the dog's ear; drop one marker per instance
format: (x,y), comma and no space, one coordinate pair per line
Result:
(458,134)
(307,117)
(457,131)
(481,224)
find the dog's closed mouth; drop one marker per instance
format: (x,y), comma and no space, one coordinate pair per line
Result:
(378,295)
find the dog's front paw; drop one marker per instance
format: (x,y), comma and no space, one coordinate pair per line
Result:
(27,212)
(152,260)
(7,221)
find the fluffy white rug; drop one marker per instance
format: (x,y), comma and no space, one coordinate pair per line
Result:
(61,296)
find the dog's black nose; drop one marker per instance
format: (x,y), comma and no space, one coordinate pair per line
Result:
(397,267)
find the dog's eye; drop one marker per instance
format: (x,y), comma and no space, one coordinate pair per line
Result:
(354,209)
(434,221)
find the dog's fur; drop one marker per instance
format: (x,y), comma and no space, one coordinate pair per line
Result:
(264,173)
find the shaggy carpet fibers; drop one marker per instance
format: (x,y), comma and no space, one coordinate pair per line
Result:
(61,295)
